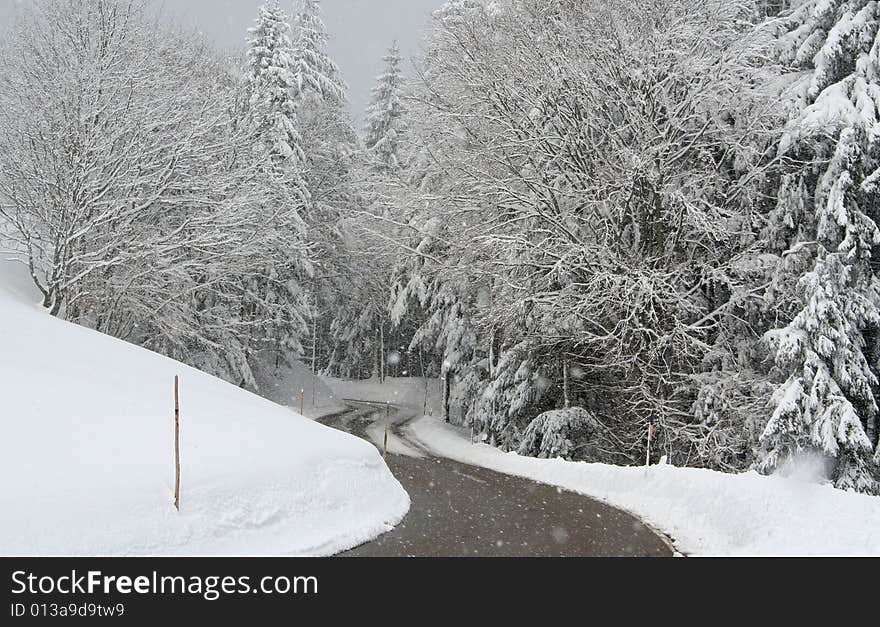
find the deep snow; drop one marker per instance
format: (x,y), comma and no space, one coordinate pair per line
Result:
(86,454)
(704,512)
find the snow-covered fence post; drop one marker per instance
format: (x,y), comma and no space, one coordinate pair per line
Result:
(302,401)
(650,437)
(176,443)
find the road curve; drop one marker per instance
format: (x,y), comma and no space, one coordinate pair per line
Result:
(460,510)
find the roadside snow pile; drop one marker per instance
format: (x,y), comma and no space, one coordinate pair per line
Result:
(86,454)
(705,512)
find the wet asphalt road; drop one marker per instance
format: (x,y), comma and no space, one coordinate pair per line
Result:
(460,510)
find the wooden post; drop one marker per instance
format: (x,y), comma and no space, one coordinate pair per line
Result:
(650,437)
(302,401)
(176,443)
(385,445)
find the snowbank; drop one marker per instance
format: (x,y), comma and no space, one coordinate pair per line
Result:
(86,454)
(705,512)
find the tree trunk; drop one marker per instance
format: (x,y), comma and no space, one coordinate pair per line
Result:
(446,394)
(376,366)
(315,355)
(565,391)
(492,355)
(382,359)
(315,340)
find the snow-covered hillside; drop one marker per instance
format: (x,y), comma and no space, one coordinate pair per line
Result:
(87,461)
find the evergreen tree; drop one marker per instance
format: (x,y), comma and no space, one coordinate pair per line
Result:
(824,348)
(272,85)
(828,401)
(330,143)
(276,295)
(384,125)
(314,72)
(828,39)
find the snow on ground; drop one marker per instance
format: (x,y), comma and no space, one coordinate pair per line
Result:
(705,512)
(86,454)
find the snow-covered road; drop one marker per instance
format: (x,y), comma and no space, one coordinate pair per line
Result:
(462,510)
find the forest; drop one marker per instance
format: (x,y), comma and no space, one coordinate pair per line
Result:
(587,219)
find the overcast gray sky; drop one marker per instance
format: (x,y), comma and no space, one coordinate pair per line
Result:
(360,30)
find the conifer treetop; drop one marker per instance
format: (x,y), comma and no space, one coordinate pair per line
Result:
(384,119)
(272,88)
(314,72)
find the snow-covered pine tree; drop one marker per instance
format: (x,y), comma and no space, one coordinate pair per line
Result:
(314,72)
(273,85)
(823,347)
(275,305)
(384,125)
(828,402)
